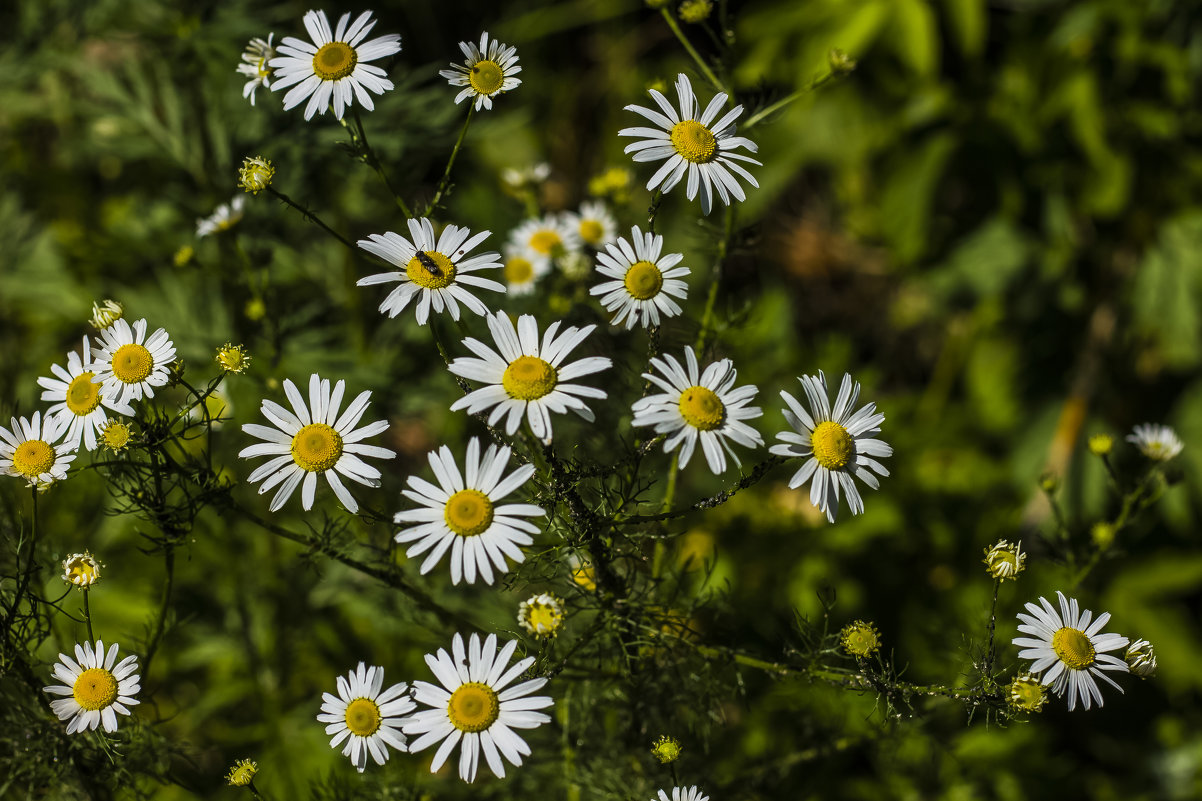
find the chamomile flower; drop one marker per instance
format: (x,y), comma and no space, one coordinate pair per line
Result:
(1071,648)
(644,282)
(29,451)
(433,269)
(96,690)
(312,440)
(541,615)
(462,514)
(476,708)
(696,147)
(254,66)
(545,238)
(130,364)
(225,217)
(522,273)
(80,404)
(365,716)
(1157,442)
(526,378)
(836,443)
(487,71)
(683,794)
(700,407)
(81,569)
(594,224)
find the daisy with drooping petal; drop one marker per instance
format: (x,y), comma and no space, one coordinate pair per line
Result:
(313,440)
(226,216)
(698,406)
(462,515)
(683,794)
(545,238)
(838,443)
(643,282)
(334,66)
(695,146)
(254,66)
(594,224)
(1070,648)
(433,269)
(476,708)
(522,273)
(367,718)
(96,689)
(29,451)
(487,71)
(1159,443)
(527,378)
(80,404)
(130,364)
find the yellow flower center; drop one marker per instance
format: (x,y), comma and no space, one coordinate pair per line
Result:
(832,445)
(82,395)
(519,271)
(132,363)
(115,436)
(81,570)
(543,618)
(860,639)
(468,513)
(694,141)
(316,447)
(528,378)
(32,458)
(363,717)
(334,60)
(591,231)
(584,577)
(430,269)
(1074,648)
(1027,694)
(242,772)
(701,408)
(643,280)
(546,242)
(473,707)
(486,77)
(95,689)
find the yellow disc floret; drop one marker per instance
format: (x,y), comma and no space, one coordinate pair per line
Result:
(1026,694)
(644,280)
(363,717)
(241,773)
(334,60)
(518,271)
(232,358)
(1074,648)
(132,363)
(82,395)
(316,447)
(591,231)
(115,436)
(541,615)
(546,242)
(832,445)
(95,689)
(860,639)
(81,569)
(528,378)
(701,408)
(33,457)
(473,707)
(486,77)
(694,141)
(468,513)
(431,270)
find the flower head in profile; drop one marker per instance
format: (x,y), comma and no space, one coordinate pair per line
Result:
(365,718)
(242,773)
(254,66)
(487,71)
(106,313)
(594,224)
(81,569)
(31,450)
(541,615)
(129,364)
(225,217)
(1158,443)
(1005,561)
(78,402)
(333,67)
(683,794)
(542,239)
(95,687)
(644,282)
(860,639)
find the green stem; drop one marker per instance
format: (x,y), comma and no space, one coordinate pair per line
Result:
(715,279)
(369,156)
(87,615)
(311,217)
(657,563)
(684,41)
(653,210)
(769,110)
(164,606)
(989,652)
(445,181)
(25,577)
(757,473)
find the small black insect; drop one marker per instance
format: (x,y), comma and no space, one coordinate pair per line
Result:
(431,266)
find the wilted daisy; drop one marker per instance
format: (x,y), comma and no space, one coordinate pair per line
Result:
(80,405)
(81,569)
(1005,561)
(254,66)
(129,364)
(367,718)
(255,174)
(683,794)
(1141,658)
(1026,694)
(315,440)
(836,444)
(527,378)
(644,282)
(433,269)
(1157,442)
(522,273)
(224,218)
(334,66)
(96,690)
(545,238)
(475,707)
(594,224)
(541,615)
(106,313)
(116,435)
(860,639)
(242,773)
(487,71)
(1070,648)
(700,407)
(666,749)
(462,515)
(29,451)
(696,147)
(232,358)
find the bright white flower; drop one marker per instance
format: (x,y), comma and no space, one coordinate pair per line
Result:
(487,71)
(433,269)
(96,690)
(366,718)
(1157,442)
(837,444)
(522,273)
(545,238)
(80,404)
(699,406)
(224,218)
(476,708)
(315,440)
(254,66)
(28,450)
(462,515)
(334,66)
(643,282)
(526,378)
(683,794)
(1070,648)
(594,224)
(694,146)
(129,364)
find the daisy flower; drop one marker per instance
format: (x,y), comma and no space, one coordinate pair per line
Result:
(1070,648)
(366,718)
(95,689)
(313,440)
(594,224)
(129,364)
(696,147)
(28,450)
(527,378)
(487,71)
(697,406)
(683,794)
(433,269)
(838,443)
(334,66)
(475,707)
(254,66)
(544,238)
(522,273)
(1157,442)
(462,515)
(541,615)
(226,216)
(643,282)
(80,404)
